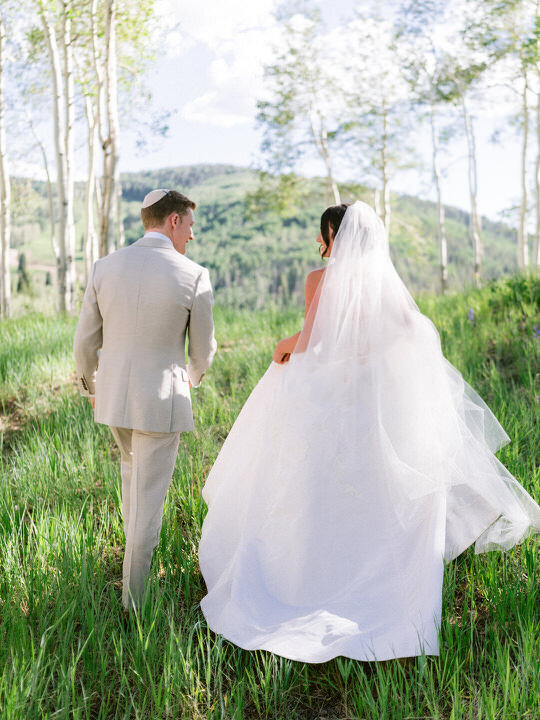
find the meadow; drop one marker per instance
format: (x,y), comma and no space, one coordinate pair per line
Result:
(68,651)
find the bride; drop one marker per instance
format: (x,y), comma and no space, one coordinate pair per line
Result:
(360,462)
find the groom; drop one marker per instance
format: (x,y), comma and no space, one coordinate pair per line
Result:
(130,356)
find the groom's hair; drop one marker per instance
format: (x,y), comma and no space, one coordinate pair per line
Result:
(173,202)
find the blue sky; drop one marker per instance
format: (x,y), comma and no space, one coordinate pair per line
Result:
(208,75)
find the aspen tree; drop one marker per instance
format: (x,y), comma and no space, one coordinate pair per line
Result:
(5,196)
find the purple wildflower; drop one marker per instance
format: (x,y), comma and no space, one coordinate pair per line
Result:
(470,316)
(536,331)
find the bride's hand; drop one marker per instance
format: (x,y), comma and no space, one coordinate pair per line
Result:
(281,355)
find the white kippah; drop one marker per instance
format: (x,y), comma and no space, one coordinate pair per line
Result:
(153,197)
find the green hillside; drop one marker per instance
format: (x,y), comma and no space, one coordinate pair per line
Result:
(255,257)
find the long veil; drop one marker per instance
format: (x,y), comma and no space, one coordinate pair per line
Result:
(369,370)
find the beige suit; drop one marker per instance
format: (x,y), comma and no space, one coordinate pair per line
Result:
(129,347)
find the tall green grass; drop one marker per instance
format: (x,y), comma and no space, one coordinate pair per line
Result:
(68,651)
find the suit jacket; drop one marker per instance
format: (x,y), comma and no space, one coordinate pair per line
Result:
(130,340)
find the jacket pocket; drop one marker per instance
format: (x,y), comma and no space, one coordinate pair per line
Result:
(180,372)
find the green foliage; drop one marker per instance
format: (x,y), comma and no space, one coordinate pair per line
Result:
(259,240)
(254,254)
(252,235)
(67,650)
(282,195)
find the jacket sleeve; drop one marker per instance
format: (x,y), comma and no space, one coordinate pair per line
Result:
(201,341)
(88,340)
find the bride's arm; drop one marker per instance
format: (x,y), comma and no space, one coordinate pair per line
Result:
(285,347)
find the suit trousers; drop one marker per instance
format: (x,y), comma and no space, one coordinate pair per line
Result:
(147,465)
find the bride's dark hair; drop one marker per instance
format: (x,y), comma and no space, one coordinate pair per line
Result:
(331,218)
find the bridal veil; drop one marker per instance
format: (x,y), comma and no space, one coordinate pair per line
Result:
(434,432)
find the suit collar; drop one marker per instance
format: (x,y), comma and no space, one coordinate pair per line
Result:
(157,240)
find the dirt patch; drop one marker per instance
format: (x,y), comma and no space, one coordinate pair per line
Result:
(12,420)
(12,417)
(15,414)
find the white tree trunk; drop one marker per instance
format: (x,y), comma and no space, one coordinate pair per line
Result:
(115,125)
(90,247)
(377,201)
(536,248)
(386,209)
(119,217)
(69,92)
(102,192)
(41,146)
(110,144)
(523,235)
(320,138)
(441,227)
(106,240)
(64,272)
(386,206)
(5,196)
(475,229)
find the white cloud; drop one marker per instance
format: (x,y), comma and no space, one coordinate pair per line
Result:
(216,108)
(234,79)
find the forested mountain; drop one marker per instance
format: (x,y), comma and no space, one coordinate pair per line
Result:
(258,255)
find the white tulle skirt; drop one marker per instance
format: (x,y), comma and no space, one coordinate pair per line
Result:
(322,538)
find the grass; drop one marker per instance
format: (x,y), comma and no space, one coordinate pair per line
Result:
(67,650)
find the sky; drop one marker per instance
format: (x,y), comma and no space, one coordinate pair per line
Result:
(207,77)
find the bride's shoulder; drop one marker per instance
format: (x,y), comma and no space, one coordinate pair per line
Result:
(312,283)
(314,278)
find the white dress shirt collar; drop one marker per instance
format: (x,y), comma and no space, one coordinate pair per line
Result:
(157,235)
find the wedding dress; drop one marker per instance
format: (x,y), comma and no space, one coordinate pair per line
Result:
(352,472)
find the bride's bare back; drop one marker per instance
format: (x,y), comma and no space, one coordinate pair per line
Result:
(285,347)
